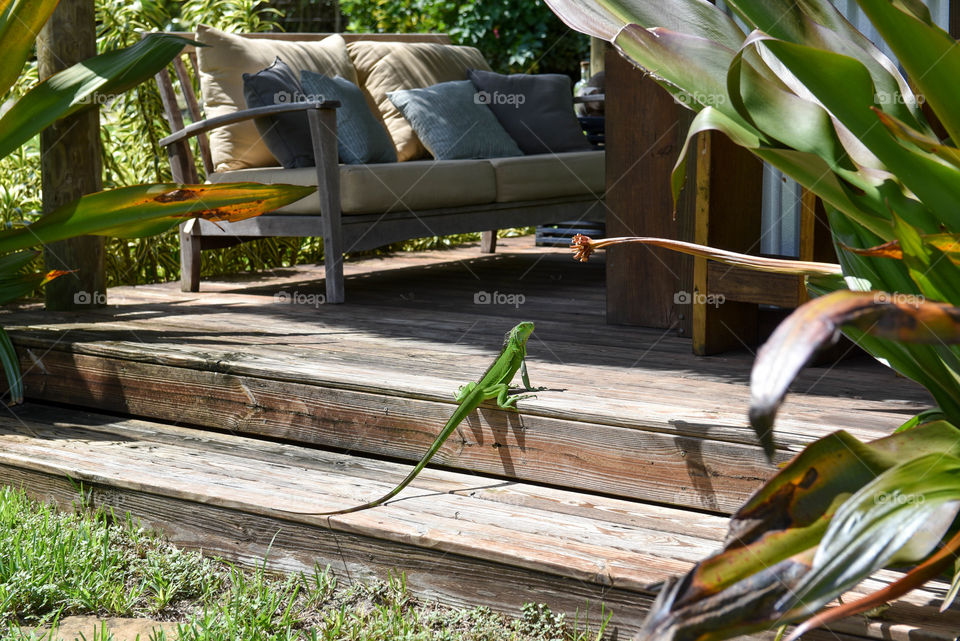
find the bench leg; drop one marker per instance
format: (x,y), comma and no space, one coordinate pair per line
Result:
(189,258)
(488,241)
(333,270)
(323,135)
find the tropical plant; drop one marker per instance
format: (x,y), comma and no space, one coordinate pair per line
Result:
(809,94)
(133,211)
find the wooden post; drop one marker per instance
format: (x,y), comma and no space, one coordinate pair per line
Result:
(645,132)
(728,207)
(70,160)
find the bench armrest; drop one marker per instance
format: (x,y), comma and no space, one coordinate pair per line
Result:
(244,114)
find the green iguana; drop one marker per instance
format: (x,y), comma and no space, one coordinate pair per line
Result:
(495,383)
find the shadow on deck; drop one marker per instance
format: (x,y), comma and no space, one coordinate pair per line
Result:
(205,414)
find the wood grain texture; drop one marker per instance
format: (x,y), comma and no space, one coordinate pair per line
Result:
(729,203)
(645,132)
(464,540)
(70,160)
(628,411)
(748,286)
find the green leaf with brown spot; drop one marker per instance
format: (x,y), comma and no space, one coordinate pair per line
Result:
(146,209)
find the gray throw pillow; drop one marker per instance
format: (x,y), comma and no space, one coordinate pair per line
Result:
(287,136)
(361,138)
(536,110)
(452,124)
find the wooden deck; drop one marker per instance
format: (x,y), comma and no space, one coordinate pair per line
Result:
(206,414)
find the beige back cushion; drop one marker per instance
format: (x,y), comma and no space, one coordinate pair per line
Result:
(388,66)
(222,65)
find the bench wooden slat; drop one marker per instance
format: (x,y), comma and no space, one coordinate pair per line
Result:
(194,107)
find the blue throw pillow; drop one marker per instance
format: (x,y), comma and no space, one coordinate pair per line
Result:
(452,123)
(287,136)
(361,138)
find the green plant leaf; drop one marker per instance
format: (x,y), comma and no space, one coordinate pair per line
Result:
(14,286)
(818,23)
(11,368)
(928,54)
(143,209)
(925,141)
(879,314)
(20,24)
(845,88)
(926,416)
(951,594)
(84,83)
(773,539)
(605,18)
(898,517)
(929,569)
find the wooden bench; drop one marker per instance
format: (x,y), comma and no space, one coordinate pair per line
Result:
(340,233)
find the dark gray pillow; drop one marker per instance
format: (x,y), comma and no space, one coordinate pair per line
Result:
(287,136)
(451,124)
(536,110)
(361,138)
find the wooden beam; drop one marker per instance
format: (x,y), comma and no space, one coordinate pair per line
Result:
(70,160)
(645,132)
(728,207)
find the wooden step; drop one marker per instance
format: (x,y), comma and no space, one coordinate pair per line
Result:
(464,539)
(627,412)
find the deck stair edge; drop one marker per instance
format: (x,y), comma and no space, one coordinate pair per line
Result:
(464,539)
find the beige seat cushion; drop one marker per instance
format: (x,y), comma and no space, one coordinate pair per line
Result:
(222,65)
(388,187)
(549,175)
(388,66)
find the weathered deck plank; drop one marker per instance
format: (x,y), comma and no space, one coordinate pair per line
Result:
(629,414)
(463,539)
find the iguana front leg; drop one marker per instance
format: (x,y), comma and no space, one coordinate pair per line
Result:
(526,379)
(501,391)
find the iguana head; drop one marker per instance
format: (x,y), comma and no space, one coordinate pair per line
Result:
(521,332)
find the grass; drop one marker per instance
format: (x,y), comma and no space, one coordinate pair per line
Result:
(54,564)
